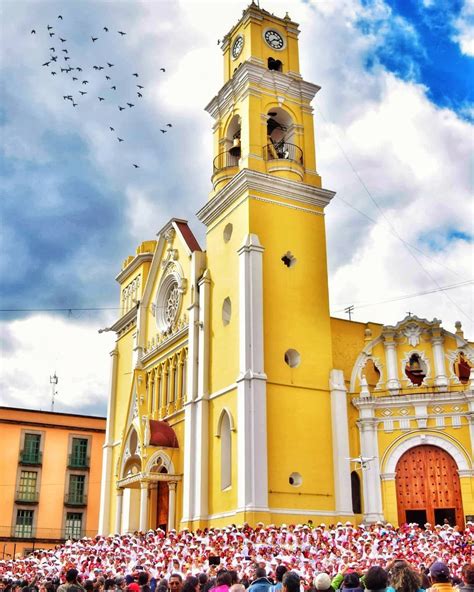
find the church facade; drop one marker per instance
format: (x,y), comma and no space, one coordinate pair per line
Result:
(234,396)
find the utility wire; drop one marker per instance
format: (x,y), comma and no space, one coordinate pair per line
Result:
(407,296)
(387,220)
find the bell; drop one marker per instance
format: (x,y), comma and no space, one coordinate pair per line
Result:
(235,150)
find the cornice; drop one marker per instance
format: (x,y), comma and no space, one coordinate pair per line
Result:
(420,398)
(250,74)
(248,180)
(162,350)
(133,265)
(127,318)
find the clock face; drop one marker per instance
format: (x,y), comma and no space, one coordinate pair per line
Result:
(237,46)
(274,39)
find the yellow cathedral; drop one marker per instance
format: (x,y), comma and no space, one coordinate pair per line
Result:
(234,396)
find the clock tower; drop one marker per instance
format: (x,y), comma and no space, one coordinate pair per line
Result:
(269,336)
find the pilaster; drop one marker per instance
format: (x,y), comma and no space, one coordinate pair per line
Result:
(393,383)
(251,384)
(340,443)
(118,511)
(371,468)
(441,379)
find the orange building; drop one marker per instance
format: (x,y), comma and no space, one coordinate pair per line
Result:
(50,472)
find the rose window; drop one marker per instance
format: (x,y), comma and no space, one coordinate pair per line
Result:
(172,305)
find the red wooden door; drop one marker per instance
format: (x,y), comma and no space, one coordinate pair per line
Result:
(162,500)
(427,479)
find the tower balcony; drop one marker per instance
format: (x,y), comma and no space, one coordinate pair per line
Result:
(225,166)
(284,160)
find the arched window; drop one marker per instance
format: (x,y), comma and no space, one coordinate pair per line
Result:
(226,451)
(355,489)
(274,64)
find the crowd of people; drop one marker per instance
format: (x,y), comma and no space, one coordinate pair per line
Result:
(292,558)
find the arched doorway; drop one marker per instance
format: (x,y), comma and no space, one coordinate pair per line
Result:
(428,487)
(159,499)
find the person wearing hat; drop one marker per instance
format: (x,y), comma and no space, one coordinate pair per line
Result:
(322,583)
(439,576)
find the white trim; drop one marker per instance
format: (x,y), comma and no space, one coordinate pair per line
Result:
(286,205)
(255,181)
(224,411)
(167,462)
(133,265)
(274,29)
(394,453)
(223,391)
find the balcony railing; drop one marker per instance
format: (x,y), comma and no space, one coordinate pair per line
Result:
(31,457)
(283,151)
(225,160)
(27,497)
(75,499)
(78,462)
(73,534)
(23,531)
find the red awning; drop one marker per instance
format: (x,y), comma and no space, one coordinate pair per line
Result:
(162,435)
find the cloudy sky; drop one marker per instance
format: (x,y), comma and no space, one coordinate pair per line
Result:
(394,138)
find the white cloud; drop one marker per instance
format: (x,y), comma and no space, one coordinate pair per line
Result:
(36,347)
(464,26)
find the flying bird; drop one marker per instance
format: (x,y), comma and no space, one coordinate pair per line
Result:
(94,39)
(106,30)
(101,98)
(53,73)
(49,27)
(136,166)
(121,33)
(83,92)
(121,108)
(74,104)
(46,64)
(100,68)
(110,65)
(64,50)
(85,82)
(163,131)
(33,32)
(139,95)
(139,86)
(63,69)
(51,34)
(113,88)
(163,69)
(95,67)
(54,58)
(108,78)
(66,58)
(60,17)
(135,74)
(74,78)
(130,105)
(52,49)
(169,125)
(79,69)
(119,139)
(62,40)
(111,129)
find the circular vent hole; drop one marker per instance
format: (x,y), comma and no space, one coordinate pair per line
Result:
(295,479)
(292,358)
(226,311)
(289,259)
(227,232)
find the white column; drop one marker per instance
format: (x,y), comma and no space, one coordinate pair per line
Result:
(441,380)
(371,473)
(340,443)
(171,504)
(190,445)
(252,490)
(469,394)
(143,506)
(107,451)
(201,448)
(118,511)
(393,384)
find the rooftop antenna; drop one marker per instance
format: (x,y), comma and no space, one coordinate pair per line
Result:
(53,380)
(349,310)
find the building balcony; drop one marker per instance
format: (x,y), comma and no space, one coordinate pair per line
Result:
(284,159)
(225,166)
(75,499)
(23,532)
(78,462)
(27,497)
(31,458)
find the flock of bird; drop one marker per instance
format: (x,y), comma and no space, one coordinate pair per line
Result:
(77,75)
